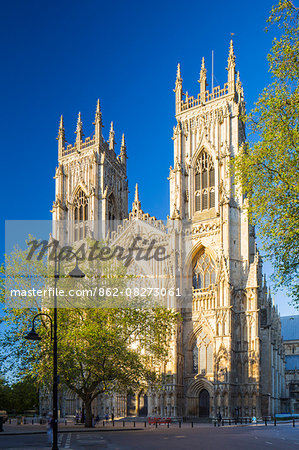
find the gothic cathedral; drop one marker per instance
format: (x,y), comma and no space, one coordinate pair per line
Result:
(227,354)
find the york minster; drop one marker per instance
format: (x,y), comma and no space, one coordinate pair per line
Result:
(227,354)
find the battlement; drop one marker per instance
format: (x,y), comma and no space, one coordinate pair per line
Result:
(191,102)
(69,149)
(205,96)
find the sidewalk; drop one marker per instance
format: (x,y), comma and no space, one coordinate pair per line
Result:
(119,425)
(13,429)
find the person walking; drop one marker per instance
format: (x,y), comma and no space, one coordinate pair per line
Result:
(50,427)
(219,419)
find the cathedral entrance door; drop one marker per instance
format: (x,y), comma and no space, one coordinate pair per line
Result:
(131,405)
(142,405)
(204,403)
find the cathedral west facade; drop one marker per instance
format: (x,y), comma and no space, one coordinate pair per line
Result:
(227,353)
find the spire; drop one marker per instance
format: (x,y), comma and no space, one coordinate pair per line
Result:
(137,212)
(98,107)
(98,123)
(136,200)
(79,129)
(123,151)
(178,90)
(61,137)
(239,87)
(231,67)
(61,125)
(203,70)
(136,204)
(178,74)
(61,131)
(231,48)
(111,137)
(203,80)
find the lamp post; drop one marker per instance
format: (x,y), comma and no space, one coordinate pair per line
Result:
(32,335)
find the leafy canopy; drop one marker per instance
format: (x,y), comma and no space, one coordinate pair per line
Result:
(99,348)
(268,168)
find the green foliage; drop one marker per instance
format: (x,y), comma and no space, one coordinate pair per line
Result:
(268,168)
(19,397)
(98,348)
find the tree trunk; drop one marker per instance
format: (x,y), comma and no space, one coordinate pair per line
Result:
(88,413)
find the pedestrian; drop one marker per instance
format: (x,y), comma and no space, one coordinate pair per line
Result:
(50,427)
(77,418)
(219,419)
(106,417)
(112,417)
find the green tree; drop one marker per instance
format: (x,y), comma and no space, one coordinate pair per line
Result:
(118,348)
(24,395)
(19,396)
(268,168)
(5,395)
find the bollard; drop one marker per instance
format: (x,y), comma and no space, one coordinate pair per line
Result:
(275,421)
(145,424)
(215,423)
(222,422)
(191,424)
(32,421)
(265,421)
(293,422)
(113,423)
(134,424)
(124,424)
(103,423)
(156,424)
(167,424)
(180,424)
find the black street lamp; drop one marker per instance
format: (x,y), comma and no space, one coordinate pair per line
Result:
(33,336)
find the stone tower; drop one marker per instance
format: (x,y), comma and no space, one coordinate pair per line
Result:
(223,344)
(91,183)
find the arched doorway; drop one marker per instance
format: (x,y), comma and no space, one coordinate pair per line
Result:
(142,405)
(204,403)
(131,405)
(199,399)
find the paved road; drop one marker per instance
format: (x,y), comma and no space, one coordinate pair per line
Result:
(204,438)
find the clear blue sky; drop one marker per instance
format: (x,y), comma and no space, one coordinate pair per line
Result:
(58,57)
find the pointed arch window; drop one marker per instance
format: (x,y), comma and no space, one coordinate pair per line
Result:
(202,354)
(111,208)
(111,212)
(195,358)
(204,272)
(80,215)
(204,182)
